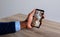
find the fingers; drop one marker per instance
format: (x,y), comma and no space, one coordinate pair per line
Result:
(30,14)
(33,11)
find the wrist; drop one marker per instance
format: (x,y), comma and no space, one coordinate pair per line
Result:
(23,24)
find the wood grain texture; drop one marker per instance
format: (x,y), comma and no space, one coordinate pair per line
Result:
(47,29)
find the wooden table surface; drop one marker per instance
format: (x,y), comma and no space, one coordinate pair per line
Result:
(47,29)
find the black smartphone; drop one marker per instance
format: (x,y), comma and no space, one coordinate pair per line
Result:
(37,17)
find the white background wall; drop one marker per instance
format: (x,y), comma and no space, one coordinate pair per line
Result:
(11,7)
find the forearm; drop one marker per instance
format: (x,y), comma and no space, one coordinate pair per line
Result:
(7,27)
(11,27)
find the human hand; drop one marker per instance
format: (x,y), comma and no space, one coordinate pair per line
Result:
(30,18)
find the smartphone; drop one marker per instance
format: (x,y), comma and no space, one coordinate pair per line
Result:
(37,18)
